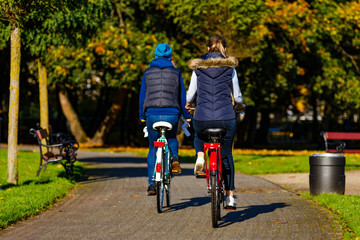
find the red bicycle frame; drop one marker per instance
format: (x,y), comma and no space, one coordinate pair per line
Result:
(213,149)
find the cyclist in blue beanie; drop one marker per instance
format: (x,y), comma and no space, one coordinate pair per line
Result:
(162,98)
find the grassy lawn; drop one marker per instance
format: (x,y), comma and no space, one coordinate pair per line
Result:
(33,194)
(345,208)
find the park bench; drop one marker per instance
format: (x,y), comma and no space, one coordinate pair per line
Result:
(338,139)
(56,149)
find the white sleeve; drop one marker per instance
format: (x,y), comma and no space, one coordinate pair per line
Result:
(192,88)
(236,88)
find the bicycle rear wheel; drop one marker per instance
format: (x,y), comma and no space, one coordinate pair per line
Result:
(215,201)
(167,191)
(159,195)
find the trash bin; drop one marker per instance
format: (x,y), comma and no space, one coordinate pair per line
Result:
(327,173)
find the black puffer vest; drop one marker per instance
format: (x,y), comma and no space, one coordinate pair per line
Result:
(214,87)
(162,88)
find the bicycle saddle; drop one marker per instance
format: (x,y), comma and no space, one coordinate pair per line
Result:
(218,132)
(160,124)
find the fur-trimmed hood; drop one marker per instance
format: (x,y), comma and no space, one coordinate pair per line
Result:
(218,62)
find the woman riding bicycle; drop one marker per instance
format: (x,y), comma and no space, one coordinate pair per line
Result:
(215,84)
(162,98)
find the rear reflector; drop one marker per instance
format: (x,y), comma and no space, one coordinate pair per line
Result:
(159,144)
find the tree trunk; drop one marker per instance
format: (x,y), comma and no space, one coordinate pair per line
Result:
(247,129)
(100,111)
(43,99)
(262,133)
(12,174)
(104,129)
(251,129)
(315,124)
(72,117)
(133,139)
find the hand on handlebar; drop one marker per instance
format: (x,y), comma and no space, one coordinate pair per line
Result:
(240,107)
(190,107)
(142,120)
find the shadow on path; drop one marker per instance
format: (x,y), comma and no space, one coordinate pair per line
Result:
(129,169)
(114,159)
(248,213)
(116,167)
(189,202)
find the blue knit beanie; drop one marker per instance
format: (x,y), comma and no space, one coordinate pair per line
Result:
(163,50)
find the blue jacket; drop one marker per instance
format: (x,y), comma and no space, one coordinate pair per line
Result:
(162,62)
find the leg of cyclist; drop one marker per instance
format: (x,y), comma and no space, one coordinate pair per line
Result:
(228,170)
(173,142)
(199,141)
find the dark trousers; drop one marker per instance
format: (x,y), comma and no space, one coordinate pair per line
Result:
(227,161)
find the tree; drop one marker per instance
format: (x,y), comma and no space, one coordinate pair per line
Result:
(26,16)
(10,12)
(110,67)
(291,52)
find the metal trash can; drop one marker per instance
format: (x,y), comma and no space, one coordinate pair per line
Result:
(327,173)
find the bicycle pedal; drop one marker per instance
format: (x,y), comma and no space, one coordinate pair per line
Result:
(200,175)
(230,208)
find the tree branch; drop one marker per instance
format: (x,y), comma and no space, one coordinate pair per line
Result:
(121,21)
(5,19)
(352,58)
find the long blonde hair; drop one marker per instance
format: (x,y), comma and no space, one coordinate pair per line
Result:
(217,43)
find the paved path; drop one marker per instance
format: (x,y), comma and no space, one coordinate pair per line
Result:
(112,204)
(299,182)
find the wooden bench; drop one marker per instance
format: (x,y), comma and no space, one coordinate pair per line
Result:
(63,152)
(338,139)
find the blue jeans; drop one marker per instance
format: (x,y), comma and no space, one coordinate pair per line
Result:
(227,161)
(154,135)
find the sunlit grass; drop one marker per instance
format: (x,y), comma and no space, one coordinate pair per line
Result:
(32,194)
(346,210)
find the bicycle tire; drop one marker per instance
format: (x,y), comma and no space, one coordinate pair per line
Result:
(215,203)
(220,196)
(168,176)
(167,191)
(160,186)
(159,196)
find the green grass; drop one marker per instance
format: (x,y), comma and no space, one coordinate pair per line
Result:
(346,210)
(265,164)
(32,194)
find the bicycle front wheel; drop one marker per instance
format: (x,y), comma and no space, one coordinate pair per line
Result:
(215,201)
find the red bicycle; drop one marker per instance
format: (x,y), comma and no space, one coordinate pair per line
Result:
(213,171)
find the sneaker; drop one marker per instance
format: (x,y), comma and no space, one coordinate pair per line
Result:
(230,202)
(176,169)
(199,166)
(151,190)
